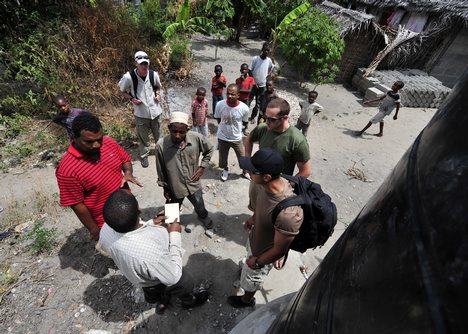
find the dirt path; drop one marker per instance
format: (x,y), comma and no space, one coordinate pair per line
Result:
(75,290)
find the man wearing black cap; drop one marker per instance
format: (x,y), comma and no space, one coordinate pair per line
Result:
(267,242)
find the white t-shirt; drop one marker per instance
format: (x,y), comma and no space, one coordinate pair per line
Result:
(230,127)
(260,69)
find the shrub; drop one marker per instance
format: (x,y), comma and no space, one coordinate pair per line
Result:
(312,45)
(180,53)
(43,239)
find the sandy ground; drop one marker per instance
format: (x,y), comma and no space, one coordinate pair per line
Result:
(88,293)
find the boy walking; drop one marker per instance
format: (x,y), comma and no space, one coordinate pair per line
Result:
(307,111)
(218,82)
(267,242)
(200,112)
(232,115)
(148,254)
(390,101)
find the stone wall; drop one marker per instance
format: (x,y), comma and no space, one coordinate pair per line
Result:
(420,91)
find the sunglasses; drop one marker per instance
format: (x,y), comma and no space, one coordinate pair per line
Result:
(273,119)
(141,57)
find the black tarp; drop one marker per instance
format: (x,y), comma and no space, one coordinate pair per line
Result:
(402,265)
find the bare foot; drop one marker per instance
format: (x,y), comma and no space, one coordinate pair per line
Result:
(378,134)
(279,264)
(357,133)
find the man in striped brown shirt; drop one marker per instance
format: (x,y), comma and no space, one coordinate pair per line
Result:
(93,168)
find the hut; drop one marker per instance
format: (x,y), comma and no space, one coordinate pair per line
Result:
(362,35)
(439,45)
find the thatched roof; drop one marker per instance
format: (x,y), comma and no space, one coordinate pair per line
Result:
(457,8)
(348,19)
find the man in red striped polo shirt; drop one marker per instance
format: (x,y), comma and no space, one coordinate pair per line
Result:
(90,171)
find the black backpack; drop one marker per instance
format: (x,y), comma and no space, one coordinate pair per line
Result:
(319,213)
(133,75)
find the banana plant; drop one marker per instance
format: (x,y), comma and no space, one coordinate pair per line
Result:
(187,25)
(287,20)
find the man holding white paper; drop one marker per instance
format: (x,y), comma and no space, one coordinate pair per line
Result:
(179,166)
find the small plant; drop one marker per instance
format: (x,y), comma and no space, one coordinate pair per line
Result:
(180,53)
(119,131)
(43,239)
(9,277)
(13,125)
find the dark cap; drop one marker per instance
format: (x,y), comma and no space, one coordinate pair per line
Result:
(264,161)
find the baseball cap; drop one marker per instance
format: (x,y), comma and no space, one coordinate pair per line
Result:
(141,57)
(264,161)
(179,117)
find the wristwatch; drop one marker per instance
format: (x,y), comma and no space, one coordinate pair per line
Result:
(257,265)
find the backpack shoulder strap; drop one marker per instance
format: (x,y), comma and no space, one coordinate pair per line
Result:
(151,77)
(296,200)
(135,82)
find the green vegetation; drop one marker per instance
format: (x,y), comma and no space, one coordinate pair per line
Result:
(73,48)
(180,52)
(9,277)
(43,238)
(187,25)
(276,12)
(81,48)
(312,45)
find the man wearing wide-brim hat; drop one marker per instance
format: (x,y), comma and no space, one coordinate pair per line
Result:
(179,165)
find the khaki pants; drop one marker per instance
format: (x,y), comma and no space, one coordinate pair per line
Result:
(143,128)
(224,146)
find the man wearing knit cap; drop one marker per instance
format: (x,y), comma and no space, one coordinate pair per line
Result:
(179,167)
(141,86)
(267,242)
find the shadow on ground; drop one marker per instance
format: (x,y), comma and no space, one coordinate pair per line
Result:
(113,299)
(206,318)
(78,252)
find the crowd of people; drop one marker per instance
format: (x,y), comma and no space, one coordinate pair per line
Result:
(94,173)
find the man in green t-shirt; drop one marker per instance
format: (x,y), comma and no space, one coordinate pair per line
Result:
(278,134)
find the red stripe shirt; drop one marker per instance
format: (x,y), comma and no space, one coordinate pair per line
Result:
(199,112)
(82,179)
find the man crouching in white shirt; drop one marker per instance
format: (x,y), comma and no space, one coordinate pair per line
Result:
(149,254)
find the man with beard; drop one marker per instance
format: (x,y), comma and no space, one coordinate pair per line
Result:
(179,167)
(93,168)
